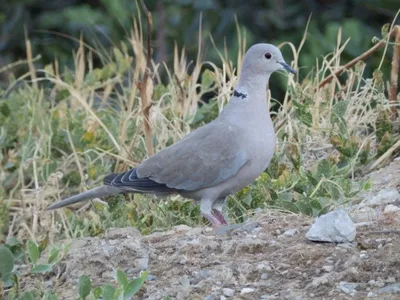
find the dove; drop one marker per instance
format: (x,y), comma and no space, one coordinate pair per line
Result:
(217,159)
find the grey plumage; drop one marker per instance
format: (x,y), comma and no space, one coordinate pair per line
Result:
(217,159)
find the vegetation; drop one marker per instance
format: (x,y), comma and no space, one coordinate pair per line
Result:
(63,127)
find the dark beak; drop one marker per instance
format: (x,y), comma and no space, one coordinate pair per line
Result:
(287,67)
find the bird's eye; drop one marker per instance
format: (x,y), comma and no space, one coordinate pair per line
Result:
(268,55)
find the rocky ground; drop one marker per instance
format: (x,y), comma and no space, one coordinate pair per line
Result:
(268,259)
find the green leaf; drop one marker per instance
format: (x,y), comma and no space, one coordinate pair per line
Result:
(97,293)
(121,278)
(85,286)
(54,255)
(11,295)
(12,241)
(49,296)
(303,113)
(311,178)
(135,285)
(33,251)
(108,292)
(207,79)
(26,296)
(38,269)
(323,169)
(6,261)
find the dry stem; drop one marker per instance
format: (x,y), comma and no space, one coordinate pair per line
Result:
(394,74)
(357,59)
(142,85)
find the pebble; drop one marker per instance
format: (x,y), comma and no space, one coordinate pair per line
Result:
(210,297)
(391,209)
(379,283)
(348,287)
(371,295)
(327,268)
(143,263)
(324,279)
(385,196)
(246,291)
(264,276)
(363,215)
(390,280)
(204,274)
(228,292)
(371,282)
(268,297)
(151,277)
(185,282)
(364,254)
(335,226)
(290,232)
(393,288)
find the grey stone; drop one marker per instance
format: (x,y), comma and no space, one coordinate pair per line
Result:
(246,291)
(268,297)
(385,196)
(151,277)
(348,287)
(363,214)
(335,226)
(228,292)
(390,289)
(204,274)
(327,268)
(391,209)
(290,232)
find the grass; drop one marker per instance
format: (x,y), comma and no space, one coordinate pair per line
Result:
(62,129)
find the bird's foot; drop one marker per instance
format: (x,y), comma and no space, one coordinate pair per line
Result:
(219,216)
(212,219)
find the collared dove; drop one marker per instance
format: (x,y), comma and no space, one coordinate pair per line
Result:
(217,159)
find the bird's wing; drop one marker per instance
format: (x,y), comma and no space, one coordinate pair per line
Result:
(206,157)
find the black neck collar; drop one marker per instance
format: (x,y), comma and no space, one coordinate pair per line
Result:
(239,94)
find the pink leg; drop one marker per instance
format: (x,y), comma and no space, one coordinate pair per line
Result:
(219,216)
(213,219)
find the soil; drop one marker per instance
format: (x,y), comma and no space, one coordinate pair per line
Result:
(269,259)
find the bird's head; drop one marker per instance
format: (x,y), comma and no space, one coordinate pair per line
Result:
(265,59)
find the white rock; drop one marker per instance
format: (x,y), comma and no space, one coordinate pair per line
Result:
(391,209)
(335,226)
(290,232)
(222,298)
(371,295)
(385,196)
(371,282)
(228,292)
(364,254)
(246,291)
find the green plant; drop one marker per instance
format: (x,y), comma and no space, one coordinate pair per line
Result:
(125,288)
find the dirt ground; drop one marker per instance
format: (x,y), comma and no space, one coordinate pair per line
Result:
(269,259)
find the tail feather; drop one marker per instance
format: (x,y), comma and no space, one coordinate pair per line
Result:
(97,192)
